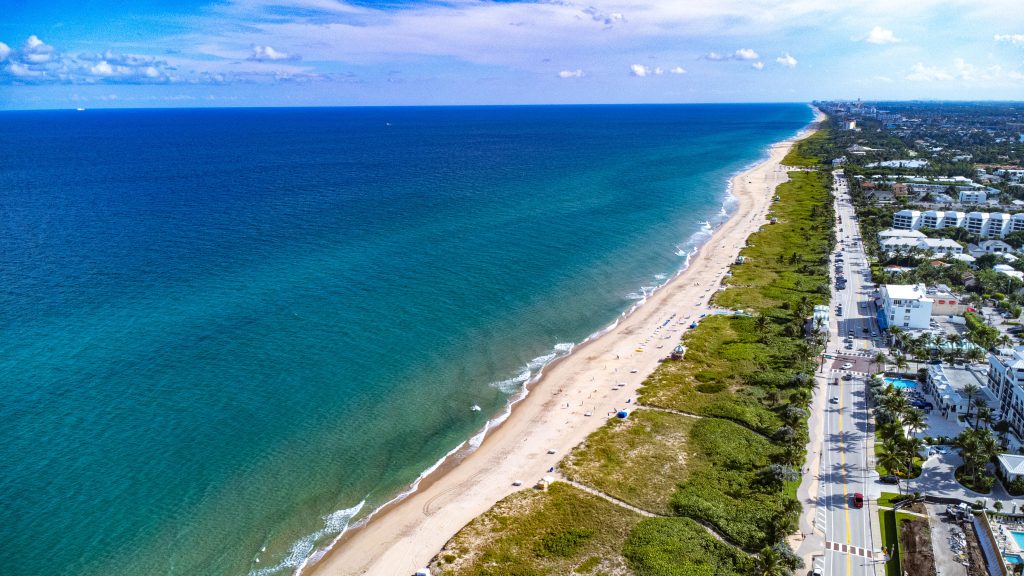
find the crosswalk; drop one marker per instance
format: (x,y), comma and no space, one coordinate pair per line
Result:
(854,372)
(848,549)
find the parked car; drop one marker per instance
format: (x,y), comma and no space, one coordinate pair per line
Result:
(858,500)
(889,479)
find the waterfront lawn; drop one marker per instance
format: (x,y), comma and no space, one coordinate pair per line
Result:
(533,533)
(637,460)
(722,355)
(681,547)
(811,151)
(787,262)
(722,483)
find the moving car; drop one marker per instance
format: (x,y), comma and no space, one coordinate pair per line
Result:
(858,500)
(847,376)
(847,366)
(834,400)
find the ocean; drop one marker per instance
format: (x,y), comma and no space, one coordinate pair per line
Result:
(228,334)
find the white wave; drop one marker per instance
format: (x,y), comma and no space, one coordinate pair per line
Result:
(511,385)
(564,347)
(299,555)
(660,276)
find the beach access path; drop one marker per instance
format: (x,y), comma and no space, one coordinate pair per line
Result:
(553,417)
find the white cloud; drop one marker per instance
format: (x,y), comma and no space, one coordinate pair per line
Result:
(757,65)
(572,73)
(884,79)
(102,68)
(268,54)
(5,51)
(921,73)
(879,35)
(658,71)
(35,51)
(745,54)
(1011,38)
(678,70)
(787,60)
(639,70)
(740,54)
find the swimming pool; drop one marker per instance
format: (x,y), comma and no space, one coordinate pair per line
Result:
(1018,537)
(902,383)
(1013,559)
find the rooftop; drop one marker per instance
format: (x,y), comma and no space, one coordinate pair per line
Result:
(906,292)
(1013,463)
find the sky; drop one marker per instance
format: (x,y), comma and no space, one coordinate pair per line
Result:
(194,53)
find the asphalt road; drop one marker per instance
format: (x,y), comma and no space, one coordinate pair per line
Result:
(849,546)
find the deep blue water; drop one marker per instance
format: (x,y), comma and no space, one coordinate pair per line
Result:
(220,328)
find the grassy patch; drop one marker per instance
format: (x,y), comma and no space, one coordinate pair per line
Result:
(786,262)
(810,151)
(721,356)
(721,484)
(889,499)
(562,531)
(880,450)
(637,460)
(681,547)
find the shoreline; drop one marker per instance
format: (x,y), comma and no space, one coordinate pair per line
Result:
(406,532)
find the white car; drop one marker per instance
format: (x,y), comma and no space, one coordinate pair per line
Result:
(847,366)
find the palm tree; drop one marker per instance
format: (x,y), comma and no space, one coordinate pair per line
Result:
(970,389)
(901,362)
(769,563)
(897,336)
(975,354)
(879,360)
(914,420)
(762,325)
(910,448)
(983,413)
(892,463)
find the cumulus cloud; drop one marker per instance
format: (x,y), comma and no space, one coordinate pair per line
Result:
(757,65)
(921,73)
(268,54)
(787,60)
(879,35)
(640,71)
(1011,38)
(678,70)
(740,54)
(36,62)
(572,73)
(35,51)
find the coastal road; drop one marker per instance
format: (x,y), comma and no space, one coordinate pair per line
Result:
(850,533)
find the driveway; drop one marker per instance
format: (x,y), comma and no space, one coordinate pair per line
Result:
(937,480)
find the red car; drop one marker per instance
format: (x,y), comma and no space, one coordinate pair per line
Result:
(858,500)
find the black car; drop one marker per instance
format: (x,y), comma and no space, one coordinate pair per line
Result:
(889,480)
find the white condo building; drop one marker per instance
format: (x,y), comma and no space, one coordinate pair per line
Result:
(906,306)
(1005,378)
(972,196)
(984,224)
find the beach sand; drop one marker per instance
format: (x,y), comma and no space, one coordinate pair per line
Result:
(404,537)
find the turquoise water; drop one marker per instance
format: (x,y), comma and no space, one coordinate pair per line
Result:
(227,334)
(902,383)
(1013,558)
(1018,537)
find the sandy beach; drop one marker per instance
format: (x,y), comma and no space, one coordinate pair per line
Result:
(554,416)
